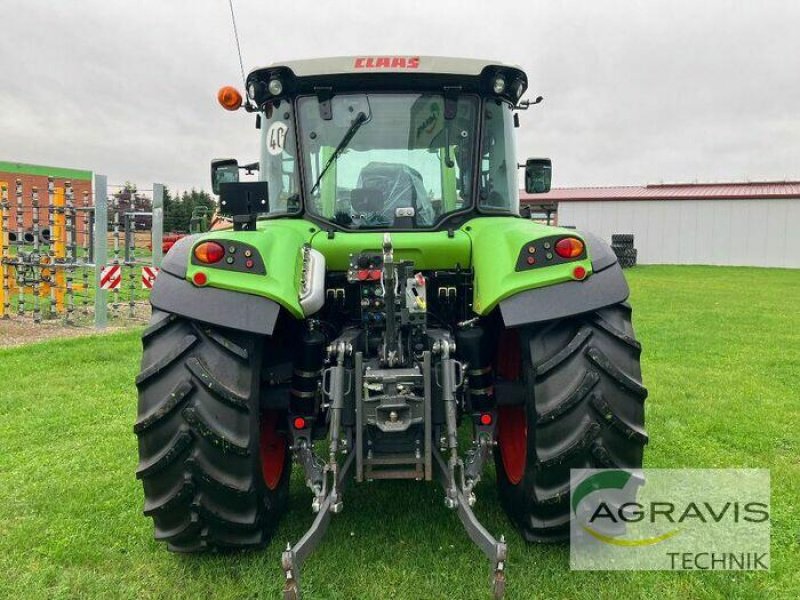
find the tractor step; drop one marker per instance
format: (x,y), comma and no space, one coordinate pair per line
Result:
(394,474)
(381,467)
(394,459)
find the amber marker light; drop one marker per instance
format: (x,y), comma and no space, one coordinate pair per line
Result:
(569,247)
(209,252)
(229,98)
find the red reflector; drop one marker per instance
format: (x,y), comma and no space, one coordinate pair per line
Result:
(569,247)
(363,274)
(199,278)
(486,419)
(299,423)
(579,272)
(375,275)
(209,252)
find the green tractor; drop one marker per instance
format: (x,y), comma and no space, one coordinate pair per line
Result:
(380,310)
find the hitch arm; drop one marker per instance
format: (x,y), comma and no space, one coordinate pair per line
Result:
(495,550)
(294,556)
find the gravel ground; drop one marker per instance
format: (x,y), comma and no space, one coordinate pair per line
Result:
(18,331)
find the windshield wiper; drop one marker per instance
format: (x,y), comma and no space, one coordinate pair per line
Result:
(360,119)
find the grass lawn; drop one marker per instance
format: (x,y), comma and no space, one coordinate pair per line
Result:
(721,360)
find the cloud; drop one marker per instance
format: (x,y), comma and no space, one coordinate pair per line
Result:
(634,91)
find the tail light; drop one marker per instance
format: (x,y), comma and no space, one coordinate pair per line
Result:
(209,252)
(569,247)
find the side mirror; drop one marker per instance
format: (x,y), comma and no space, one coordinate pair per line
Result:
(223,170)
(538,172)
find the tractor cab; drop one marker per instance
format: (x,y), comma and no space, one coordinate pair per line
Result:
(385,143)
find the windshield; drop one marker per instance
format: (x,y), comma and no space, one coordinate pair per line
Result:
(387,160)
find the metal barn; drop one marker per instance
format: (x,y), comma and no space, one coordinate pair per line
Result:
(745,224)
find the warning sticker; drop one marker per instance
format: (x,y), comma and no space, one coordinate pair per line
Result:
(276,137)
(111,277)
(149,275)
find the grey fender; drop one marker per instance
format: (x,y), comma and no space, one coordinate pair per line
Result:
(177,259)
(604,287)
(172,293)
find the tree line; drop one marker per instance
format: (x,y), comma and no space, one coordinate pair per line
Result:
(178,208)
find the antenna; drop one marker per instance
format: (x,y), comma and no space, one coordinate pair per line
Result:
(238,47)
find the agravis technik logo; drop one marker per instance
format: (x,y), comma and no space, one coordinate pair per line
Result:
(715,519)
(613,479)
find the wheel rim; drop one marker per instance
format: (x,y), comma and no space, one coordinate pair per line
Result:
(512,439)
(272,448)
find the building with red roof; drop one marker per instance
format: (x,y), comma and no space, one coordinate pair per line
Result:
(747,224)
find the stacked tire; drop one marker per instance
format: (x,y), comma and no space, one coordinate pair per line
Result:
(622,245)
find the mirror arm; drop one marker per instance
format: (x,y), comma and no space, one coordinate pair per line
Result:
(526,104)
(249,168)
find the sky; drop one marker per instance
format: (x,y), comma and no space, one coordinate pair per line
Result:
(635,92)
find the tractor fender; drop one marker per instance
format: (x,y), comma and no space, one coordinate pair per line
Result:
(604,287)
(174,294)
(177,258)
(602,254)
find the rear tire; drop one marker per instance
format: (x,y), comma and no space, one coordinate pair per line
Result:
(215,472)
(584,409)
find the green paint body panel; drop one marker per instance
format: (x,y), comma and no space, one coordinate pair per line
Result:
(428,249)
(496,243)
(279,242)
(42,170)
(490,245)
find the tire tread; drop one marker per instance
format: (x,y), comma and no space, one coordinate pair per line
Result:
(198,438)
(584,409)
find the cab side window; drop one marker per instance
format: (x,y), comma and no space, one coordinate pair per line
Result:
(498,175)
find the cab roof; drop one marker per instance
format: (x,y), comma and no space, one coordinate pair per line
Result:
(385,72)
(340,65)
